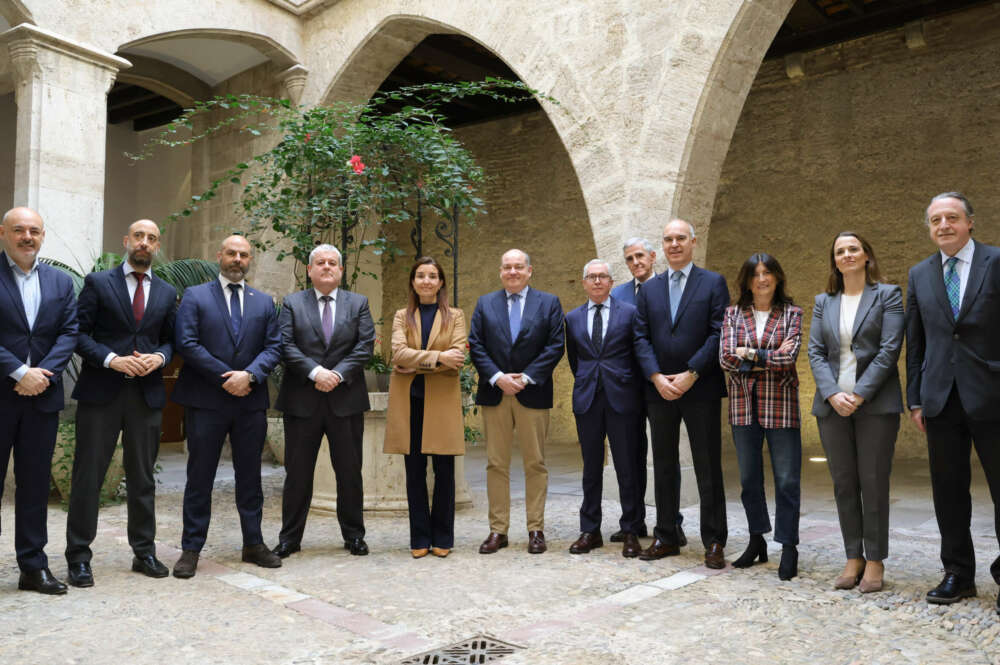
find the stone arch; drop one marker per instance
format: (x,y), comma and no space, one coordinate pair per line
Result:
(14,12)
(277,53)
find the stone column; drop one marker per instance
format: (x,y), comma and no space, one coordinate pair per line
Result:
(61,90)
(383,475)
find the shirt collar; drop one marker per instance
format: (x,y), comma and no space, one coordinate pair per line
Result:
(686,270)
(964,255)
(523,293)
(636,282)
(128,269)
(332,294)
(226,282)
(14,266)
(605,302)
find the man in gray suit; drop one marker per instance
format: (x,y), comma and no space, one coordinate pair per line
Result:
(328,336)
(952,316)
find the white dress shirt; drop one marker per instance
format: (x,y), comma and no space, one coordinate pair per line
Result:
(133,284)
(30,288)
(592,311)
(520,301)
(332,304)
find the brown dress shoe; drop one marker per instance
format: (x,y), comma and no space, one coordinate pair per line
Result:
(536,542)
(630,546)
(493,543)
(658,550)
(587,541)
(714,557)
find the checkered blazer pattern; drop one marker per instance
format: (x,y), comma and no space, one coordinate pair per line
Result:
(777,386)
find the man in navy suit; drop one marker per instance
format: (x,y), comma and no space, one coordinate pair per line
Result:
(515,340)
(607,399)
(677,344)
(229,338)
(952,382)
(37,336)
(640,257)
(126,319)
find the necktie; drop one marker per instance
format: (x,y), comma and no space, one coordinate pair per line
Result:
(235,311)
(676,290)
(952,285)
(327,319)
(597,332)
(139,299)
(515,316)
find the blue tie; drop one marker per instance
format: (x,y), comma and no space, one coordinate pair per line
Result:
(515,316)
(952,285)
(235,312)
(676,290)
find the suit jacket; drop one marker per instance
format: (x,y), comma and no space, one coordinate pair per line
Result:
(443,429)
(49,342)
(776,388)
(625,292)
(535,352)
(204,337)
(877,339)
(614,363)
(942,350)
(668,346)
(107,325)
(350,348)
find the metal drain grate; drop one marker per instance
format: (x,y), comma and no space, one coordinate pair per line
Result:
(473,651)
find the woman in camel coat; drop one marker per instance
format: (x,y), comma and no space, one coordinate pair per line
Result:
(425,404)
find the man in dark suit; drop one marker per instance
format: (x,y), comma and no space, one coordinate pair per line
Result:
(952,315)
(328,336)
(677,345)
(37,336)
(515,340)
(228,335)
(607,399)
(640,257)
(126,319)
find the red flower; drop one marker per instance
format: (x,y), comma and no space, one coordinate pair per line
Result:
(308,137)
(356,163)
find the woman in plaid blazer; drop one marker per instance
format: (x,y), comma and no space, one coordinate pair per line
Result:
(761,334)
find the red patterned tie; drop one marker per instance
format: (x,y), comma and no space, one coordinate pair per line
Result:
(139,299)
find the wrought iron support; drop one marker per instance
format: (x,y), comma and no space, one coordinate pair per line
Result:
(448,234)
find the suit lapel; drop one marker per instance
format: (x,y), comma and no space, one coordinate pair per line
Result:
(528,312)
(435,330)
(977,271)
(864,306)
(587,337)
(935,273)
(312,311)
(7,279)
(215,286)
(831,319)
(120,289)
(750,327)
(340,315)
(501,315)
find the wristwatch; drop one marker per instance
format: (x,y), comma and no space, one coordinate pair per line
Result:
(693,372)
(253,378)
(752,354)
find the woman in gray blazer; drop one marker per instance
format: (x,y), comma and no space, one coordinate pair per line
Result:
(854,344)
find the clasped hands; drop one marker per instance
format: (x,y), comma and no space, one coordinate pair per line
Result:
(450,358)
(673,386)
(137,364)
(845,404)
(326,380)
(34,382)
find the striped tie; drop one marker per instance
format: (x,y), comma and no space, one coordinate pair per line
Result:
(952,285)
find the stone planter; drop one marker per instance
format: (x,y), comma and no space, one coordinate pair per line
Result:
(276,439)
(62,466)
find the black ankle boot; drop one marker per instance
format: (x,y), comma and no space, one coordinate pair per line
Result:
(789,566)
(756,549)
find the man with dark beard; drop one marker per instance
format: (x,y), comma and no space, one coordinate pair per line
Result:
(228,335)
(126,317)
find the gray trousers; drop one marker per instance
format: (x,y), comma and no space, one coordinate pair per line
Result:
(859,452)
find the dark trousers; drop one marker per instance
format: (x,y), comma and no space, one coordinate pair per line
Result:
(859,451)
(434,524)
(97,429)
(32,436)
(950,436)
(303,437)
(640,460)
(702,420)
(206,434)
(785,446)
(622,430)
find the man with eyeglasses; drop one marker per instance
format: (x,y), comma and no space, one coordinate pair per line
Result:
(607,398)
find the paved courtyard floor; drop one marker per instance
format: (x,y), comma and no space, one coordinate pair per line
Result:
(325,606)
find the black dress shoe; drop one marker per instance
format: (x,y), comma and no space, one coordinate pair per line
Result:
(42,581)
(658,550)
(187,565)
(149,566)
(641,532)
(285,550)
(587,541)
(357,546)
(80,575)
(260,555)
(951,590)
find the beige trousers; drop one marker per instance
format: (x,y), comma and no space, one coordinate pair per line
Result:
(532,427)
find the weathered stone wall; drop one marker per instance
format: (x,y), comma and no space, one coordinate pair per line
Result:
(8,138)
(535,204)
(862,142)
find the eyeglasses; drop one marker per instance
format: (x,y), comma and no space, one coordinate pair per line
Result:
(592,277)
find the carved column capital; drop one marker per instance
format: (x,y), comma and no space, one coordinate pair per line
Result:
(294,80)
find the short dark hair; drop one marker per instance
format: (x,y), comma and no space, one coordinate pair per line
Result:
(835,283)
(746,276)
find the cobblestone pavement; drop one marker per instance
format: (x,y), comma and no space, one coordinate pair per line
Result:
(325,606)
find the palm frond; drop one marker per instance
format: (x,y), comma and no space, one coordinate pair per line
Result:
(72,272)
(183,273)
